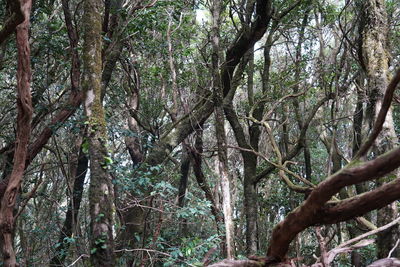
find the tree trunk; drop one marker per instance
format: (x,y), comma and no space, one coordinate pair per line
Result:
(196,159)
(220,132)
(74,204)
(251,210)
(185,166)
(25,110)
(225,182)
(358,121)
(250,159)
(100,189)
(183,183)
(250,167)
(375,61)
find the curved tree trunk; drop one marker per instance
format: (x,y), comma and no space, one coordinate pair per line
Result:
(196,160)
(315,209)
(25,110)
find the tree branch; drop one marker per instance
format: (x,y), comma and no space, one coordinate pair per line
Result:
(309,213)
(16,18)
(387,100)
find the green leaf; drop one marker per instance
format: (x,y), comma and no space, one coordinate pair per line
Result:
(108,160)
(85,147)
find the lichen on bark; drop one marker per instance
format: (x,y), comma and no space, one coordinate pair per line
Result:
(375,61)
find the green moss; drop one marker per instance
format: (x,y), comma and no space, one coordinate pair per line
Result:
(354,163)
(388,178)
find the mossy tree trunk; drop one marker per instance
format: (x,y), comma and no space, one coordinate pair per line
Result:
(100,189)
(375,61)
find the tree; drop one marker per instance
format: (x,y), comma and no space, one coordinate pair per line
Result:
(101,190)
(375,62)
(25,110)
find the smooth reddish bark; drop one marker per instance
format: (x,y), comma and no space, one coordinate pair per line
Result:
(24,107)
(315,207)
(309,213)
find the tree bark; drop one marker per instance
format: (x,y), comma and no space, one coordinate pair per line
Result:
(132,219)
(196,159)
(183,184)
(25,110)
(375,60)
(296,88)
(309,213)
(100,190)
(183,181)
(74,204)
(220,131)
